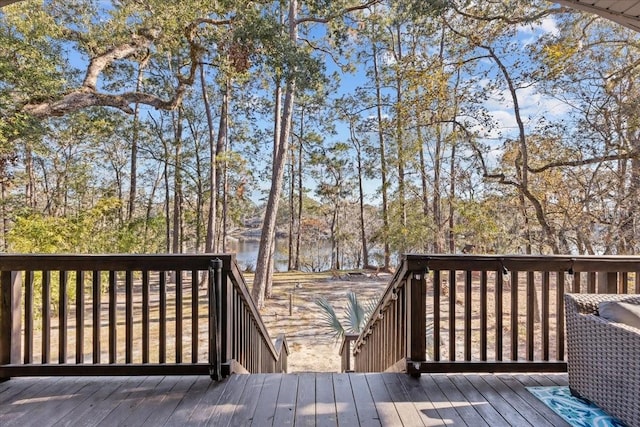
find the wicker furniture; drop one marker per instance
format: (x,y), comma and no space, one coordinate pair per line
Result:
(603,357)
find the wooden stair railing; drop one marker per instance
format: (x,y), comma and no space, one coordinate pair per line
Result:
(471,313)
(130,315)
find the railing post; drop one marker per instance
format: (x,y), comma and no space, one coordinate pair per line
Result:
(215,274)
(10,327)
(416,317)
(346,351)
(225,304)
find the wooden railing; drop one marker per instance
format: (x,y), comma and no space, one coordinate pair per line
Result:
(130,315)
(467,313)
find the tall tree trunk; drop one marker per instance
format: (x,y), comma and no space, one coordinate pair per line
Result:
(30,190)
(264,265)
(423,181)
(177,182)
(299,219)
(220,149)
(383,161)
(400,137)
(211,218)
(363,234)
(439,241)
(452,171)
(149,211)
(199,199)
(225,193)
(452,193)
(438,244)
(133,176)
(294,255)
(167,196)
(5,216)
(292,215)
(335,265)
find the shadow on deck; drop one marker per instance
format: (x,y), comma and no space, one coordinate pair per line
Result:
(280,399)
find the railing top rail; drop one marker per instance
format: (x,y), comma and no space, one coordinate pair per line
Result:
(118,262)
(586,263)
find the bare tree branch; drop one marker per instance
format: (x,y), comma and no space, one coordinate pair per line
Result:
(139,42)
(346,10)
(87,94)
(509,19)
(599,159)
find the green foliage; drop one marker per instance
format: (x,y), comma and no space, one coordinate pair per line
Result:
(93,231)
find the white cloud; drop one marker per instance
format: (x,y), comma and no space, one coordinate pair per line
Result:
(545,26)
(533,107)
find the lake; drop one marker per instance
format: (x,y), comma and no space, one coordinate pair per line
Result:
(314,256)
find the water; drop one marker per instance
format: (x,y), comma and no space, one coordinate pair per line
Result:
(314,256)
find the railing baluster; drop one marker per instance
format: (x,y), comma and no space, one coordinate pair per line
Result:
(145,316)
(530,313)
(417,317)
(113,319)
(560,315)
(28,317)
(10,318)
(178,333)
(498,314)
(46,317)
(162,327)
(514,315)
(591,282)
(62,318)
(437,283)
(452,315)
(194,316)
(80,303)
(128,316)
(397,339)
(97,308)
(545,315)
(483,315)
(467,315)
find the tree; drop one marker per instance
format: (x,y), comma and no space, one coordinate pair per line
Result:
(295,73)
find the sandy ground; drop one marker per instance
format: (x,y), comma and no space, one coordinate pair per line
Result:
(311,344)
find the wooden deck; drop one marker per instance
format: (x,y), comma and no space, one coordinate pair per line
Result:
(321,399)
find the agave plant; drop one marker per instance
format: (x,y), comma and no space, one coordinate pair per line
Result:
(355,316)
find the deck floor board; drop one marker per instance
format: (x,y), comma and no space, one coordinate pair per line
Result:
(464,405)
(246,408)
(488,413)
(326,413)
(306,399)
(266,405)
(443,406)
(408,412)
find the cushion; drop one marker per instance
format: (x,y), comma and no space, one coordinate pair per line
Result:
(620,312)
